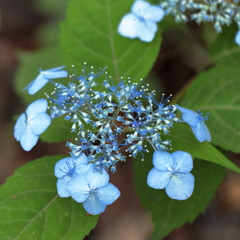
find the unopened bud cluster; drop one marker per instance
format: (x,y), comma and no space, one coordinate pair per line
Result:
(107,120)
(218,12)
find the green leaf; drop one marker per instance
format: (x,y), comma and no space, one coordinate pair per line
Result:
(182,139)
(217,92)
(169,214)
(224,50)
(30,207)
(90,35)
(58,131)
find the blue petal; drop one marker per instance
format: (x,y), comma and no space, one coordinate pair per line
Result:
(146,31)
(62,187)
(180,186)
(61,167)
(157,179)
(97,179)
(237,38)
(40,123)
(20,126)
(189,116)
(183,160)
(201,132)
(81,159)
(108,194)
(28,139)
(207,133)
(50,74)
(153,13)
(162,161)
(37,84)
(53,69)
(82,165)
(84,168)
(128,26)
(139,7)
(35,108)
(42,79)
(78,188)
(93,206)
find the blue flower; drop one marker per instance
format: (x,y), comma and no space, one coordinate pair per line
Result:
(93,190)
(171,171)
(141,22)
(196,122)
(237,38)
(44,76)
(30,125)
(68,167)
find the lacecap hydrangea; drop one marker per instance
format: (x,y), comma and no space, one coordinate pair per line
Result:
(110,125)
(142,21)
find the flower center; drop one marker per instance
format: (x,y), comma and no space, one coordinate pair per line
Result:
(68,170)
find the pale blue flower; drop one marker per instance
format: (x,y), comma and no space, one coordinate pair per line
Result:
(93,190)
(31,124)
(237,37)
(141,22)
(196,122)
(68,167)
(43,77)
(172,172)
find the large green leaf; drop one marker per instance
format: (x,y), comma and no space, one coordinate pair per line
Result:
(182,139)
(169,214)
(89,34)
(217,92)
(224,50)
(30,207)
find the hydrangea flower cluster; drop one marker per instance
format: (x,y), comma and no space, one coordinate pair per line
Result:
(142,21)
(219,12)
(107,122)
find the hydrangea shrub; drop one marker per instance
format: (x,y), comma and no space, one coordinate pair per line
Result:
(108,116)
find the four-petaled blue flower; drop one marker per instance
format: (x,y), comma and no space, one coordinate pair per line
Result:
(68,167)
(172,172)
(30,125)
(237,37)
(43,77)
(196,122)
(141,22)
(93,190)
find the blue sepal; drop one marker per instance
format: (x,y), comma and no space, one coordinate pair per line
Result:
(43,77)
(141,22)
